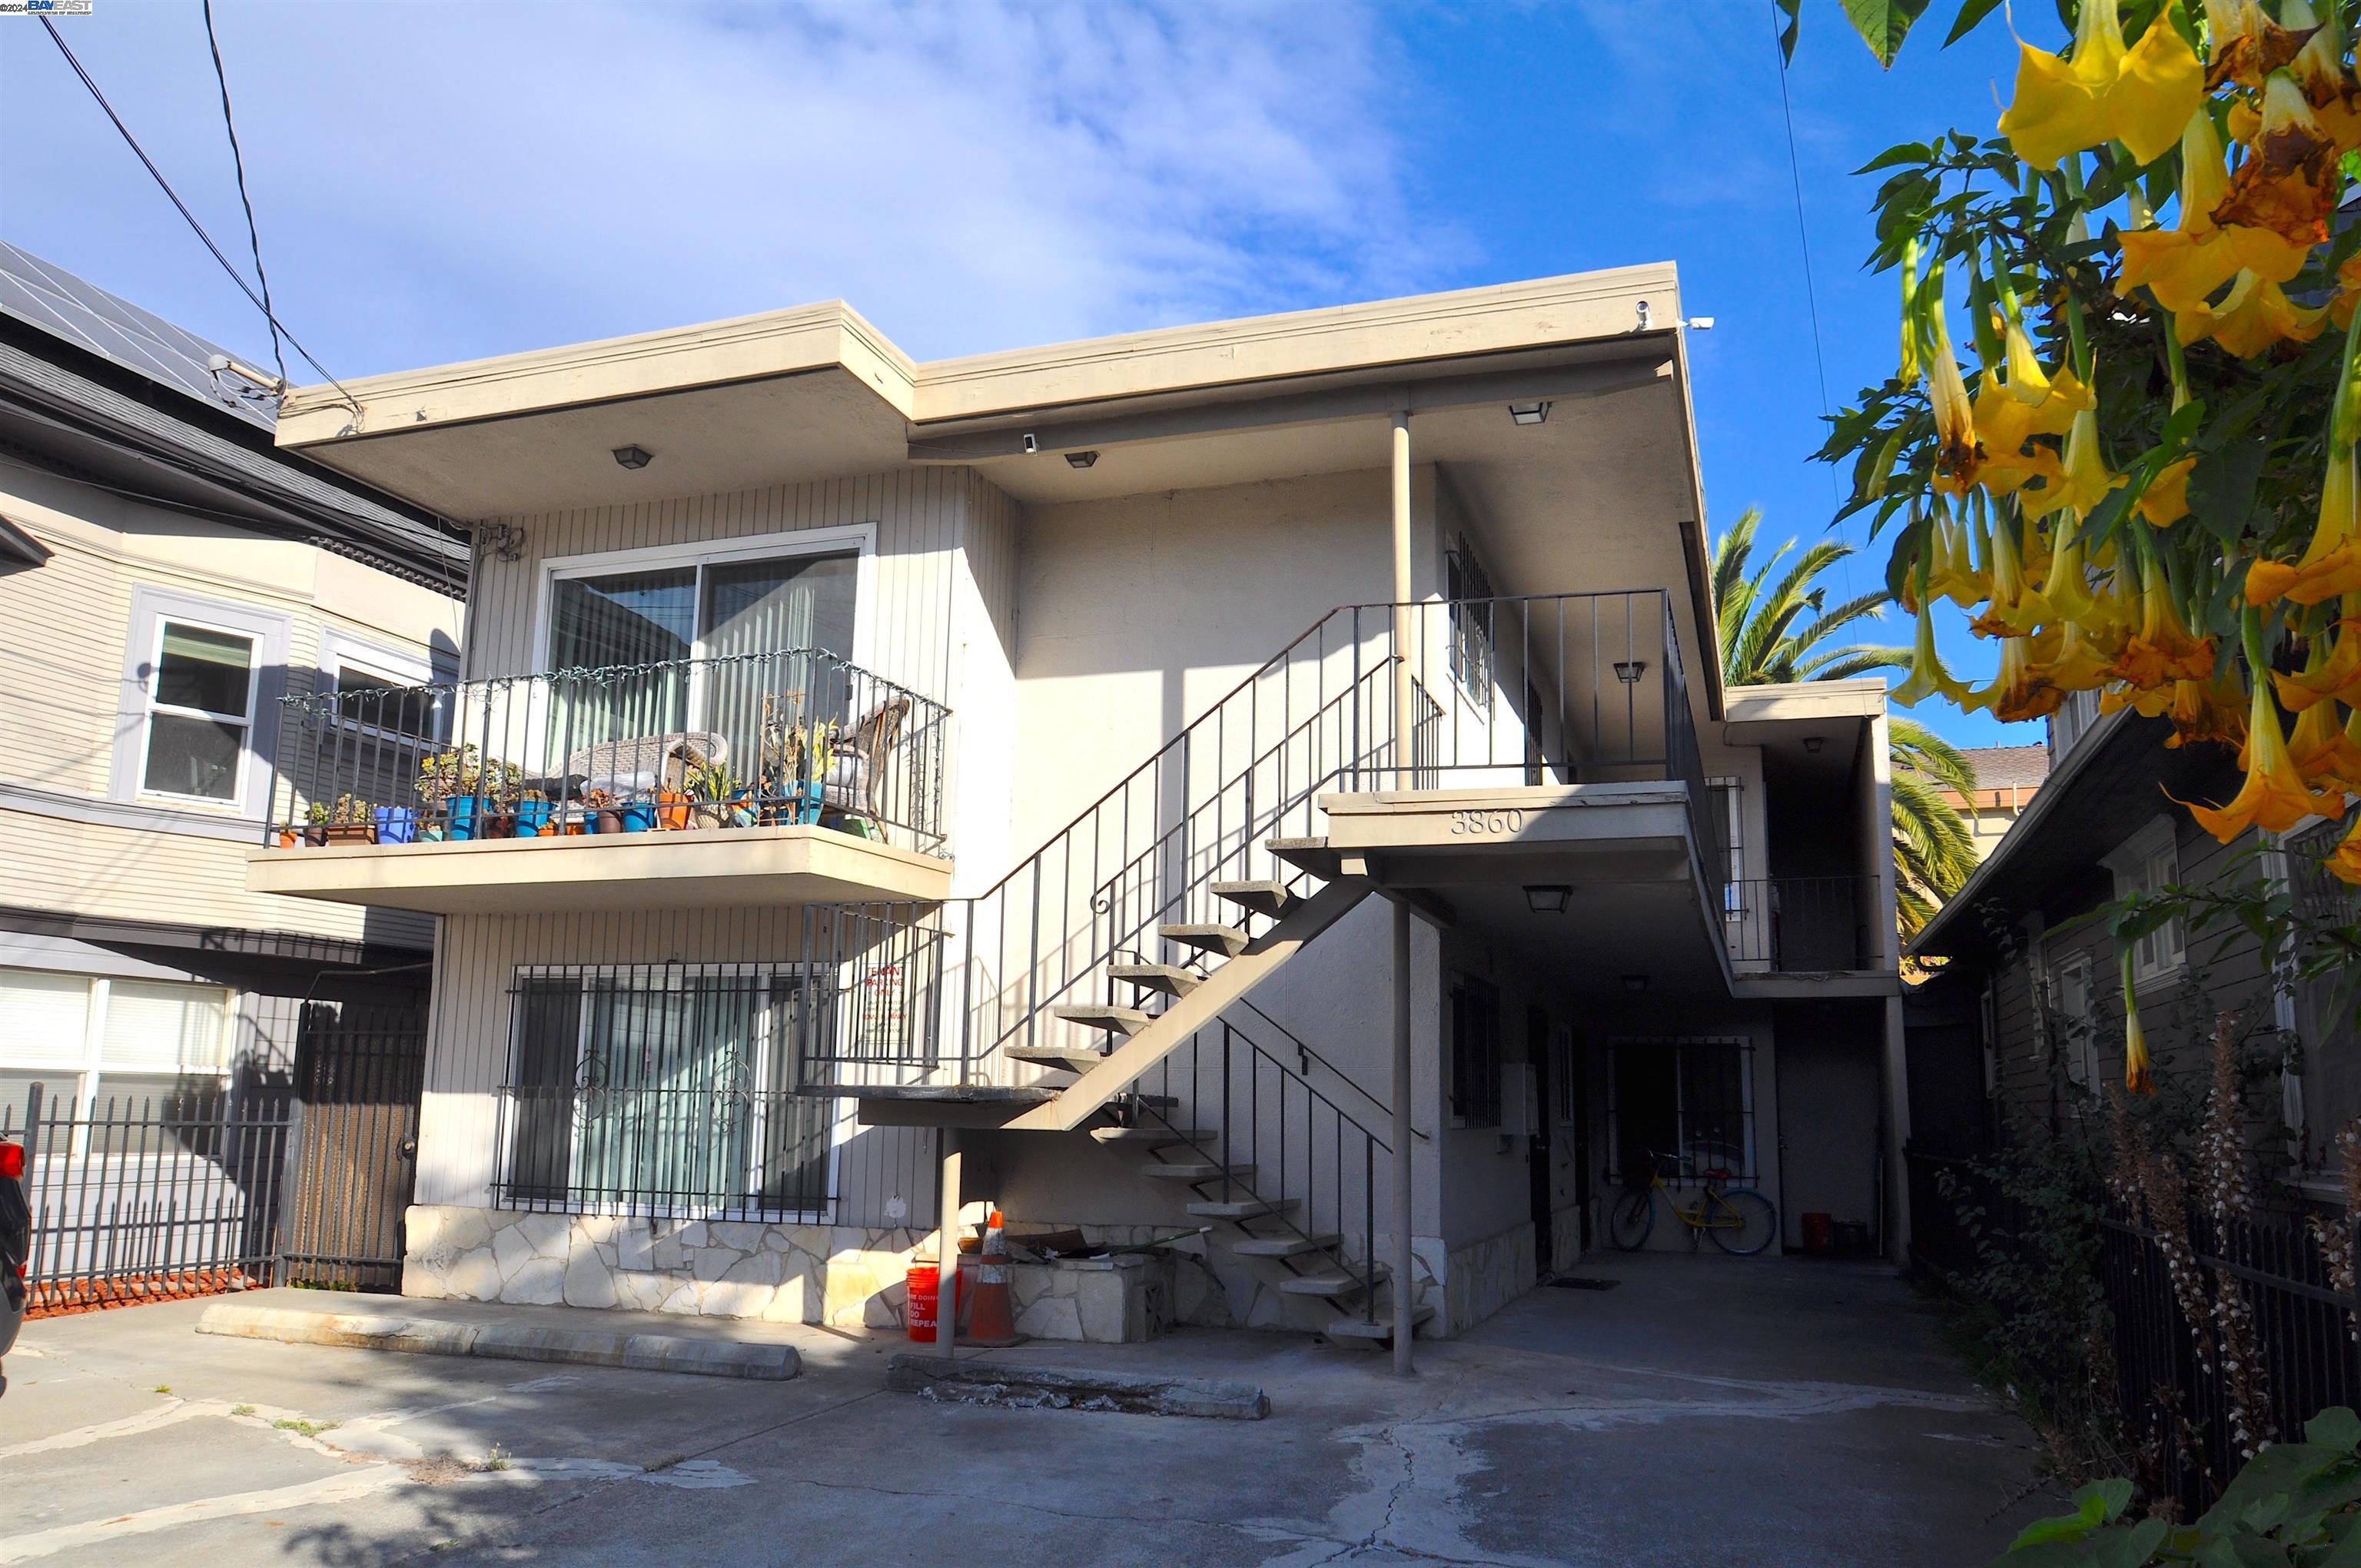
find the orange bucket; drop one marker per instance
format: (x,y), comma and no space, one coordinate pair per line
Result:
(924,1286)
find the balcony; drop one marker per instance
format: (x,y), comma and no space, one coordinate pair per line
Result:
(783,777)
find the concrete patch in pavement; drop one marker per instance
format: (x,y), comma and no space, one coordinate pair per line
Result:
(1072,1387)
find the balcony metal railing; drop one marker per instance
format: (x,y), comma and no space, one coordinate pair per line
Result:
(756,739)
(1565,688)
(1801,925)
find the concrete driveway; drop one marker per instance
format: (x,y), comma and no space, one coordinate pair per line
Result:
(1705,1411)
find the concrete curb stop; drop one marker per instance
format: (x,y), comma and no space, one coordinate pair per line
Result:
(506,1341)
(1003,1383)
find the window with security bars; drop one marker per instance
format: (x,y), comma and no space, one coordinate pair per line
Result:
(1469,588)
(669,1090)
(1687,1104)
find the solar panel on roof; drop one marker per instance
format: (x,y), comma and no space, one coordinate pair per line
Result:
(64,306)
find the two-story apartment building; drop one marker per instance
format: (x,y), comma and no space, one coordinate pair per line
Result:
(168,573)
(1268,777)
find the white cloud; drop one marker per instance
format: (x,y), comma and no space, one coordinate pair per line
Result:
(436,183)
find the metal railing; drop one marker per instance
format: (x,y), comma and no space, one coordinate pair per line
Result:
(139,1199)
(1275,1137)
(792,736)
(1567,688)
(1801,925)
(703,1153)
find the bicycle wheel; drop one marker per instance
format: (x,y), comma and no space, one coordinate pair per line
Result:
(1742,1221)
(1634,1217)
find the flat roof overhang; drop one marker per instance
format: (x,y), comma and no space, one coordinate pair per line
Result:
(704,868)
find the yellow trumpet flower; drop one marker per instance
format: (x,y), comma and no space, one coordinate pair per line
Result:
(2023,689)
(1959,456)
(2345,864)
(2289,182)
(2330,566)
(2163,649)
(2274,798)
(2082,663)
(2254,315)
(2140,97)
(2246,45)
(2183,265)
(2140,1073)
(2015,608)
(2165,499)
(2084,480)
(2068,586)
(1928,675)
(2332,666)
(2325,752)
(2205,711)
(1951,571)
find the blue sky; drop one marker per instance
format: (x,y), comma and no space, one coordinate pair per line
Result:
(437,182)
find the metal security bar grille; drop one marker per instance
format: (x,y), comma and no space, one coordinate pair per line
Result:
(140,1198)
(796,736)
(669,1090)
(1688,1105)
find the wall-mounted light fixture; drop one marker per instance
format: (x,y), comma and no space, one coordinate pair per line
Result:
(634,456)
(1080,459)
(1628,671)
(1549,897)
(1812,743)
(1030,443)
(1529,413)
(1635,983)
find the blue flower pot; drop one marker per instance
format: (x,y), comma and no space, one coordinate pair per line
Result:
(396,825)
(462,812)
(532,818)
(639,820)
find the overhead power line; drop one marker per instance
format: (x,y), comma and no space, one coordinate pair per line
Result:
(278,326)
(237,161)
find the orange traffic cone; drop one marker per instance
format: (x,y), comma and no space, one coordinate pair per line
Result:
(991,1321)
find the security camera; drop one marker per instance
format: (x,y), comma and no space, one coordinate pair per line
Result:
(1032,444)
(1647,317)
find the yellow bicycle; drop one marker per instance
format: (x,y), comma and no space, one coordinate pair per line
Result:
(1739,1218)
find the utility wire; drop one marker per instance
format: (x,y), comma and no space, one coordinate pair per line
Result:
(235,276)
(1804,241)
(237,161)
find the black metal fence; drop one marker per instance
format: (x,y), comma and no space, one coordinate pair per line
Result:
(141,1199)
(2169,1380)
(1801,923)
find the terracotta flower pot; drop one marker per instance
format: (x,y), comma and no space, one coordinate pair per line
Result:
(672,810)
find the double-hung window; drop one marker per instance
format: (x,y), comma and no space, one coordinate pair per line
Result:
(1688,1104)
(91,1040)
(200,719)
(2078,1019)
(2148,861)
(668,1089)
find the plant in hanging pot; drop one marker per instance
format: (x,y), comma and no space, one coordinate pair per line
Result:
(350,821)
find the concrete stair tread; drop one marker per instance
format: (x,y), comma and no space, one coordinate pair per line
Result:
(1280,1246)
(1170,979)
(1209,935)
(1242,1208)
(1328,1285)
(1074,1059)
(1156,1135)
(1126,1021)
(1264,897)
(1382,1329)
(1194,1171)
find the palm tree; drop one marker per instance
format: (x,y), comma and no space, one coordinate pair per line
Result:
(1773,631)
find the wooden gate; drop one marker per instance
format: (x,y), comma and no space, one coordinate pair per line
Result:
(358,1074)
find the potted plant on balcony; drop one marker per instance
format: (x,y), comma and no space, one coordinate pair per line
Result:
(316,823)
(601,812)
(349,821)
(719,795)
(448,785)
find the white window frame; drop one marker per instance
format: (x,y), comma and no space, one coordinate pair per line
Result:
(2147,861)
(861,537)
(87,1068)
(143,649)
(2078,1017)
(838,1126)
(150,707)
(339,652)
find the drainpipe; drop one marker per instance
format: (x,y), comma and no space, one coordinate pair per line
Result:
(1404,1281)
(1403,727)
(947,1251)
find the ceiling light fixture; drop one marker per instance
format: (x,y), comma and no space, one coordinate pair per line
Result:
(1529,413)
(1080,459)
(634,456)
(1635,983)
(1812,743)
(1628,671)
(1549,897)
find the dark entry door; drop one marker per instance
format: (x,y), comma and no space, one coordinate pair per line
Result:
(1539,1159)
(358,1073)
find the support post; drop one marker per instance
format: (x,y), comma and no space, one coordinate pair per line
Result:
(947,1253)
(1405,1281)
(1405,725)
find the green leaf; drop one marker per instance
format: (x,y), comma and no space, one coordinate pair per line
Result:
(2222,487)
(1884,24)
(2131,1548)
(2113,1495)
(1970,13)
(2335,1427)
(1787,34)
(1902,152)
